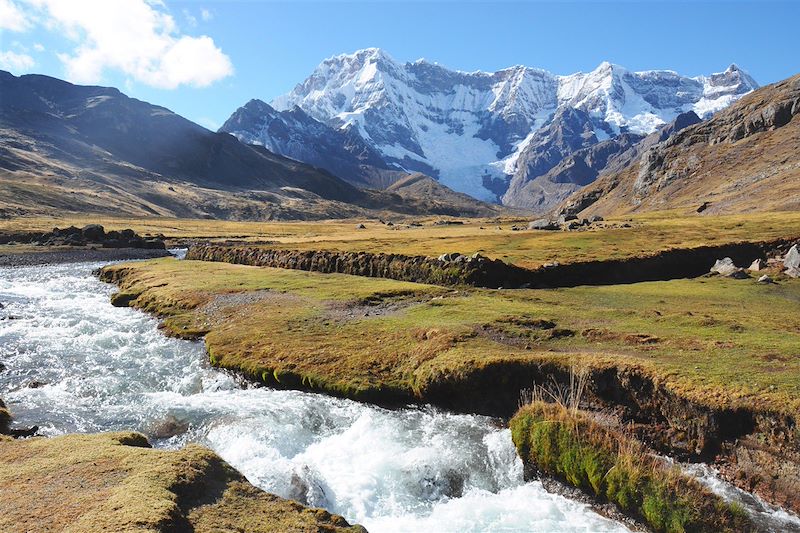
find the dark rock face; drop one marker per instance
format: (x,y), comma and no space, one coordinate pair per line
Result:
(569,131)
(295,134)
(92,234)
(625,152)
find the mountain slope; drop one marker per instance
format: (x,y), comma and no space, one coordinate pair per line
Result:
(742,159)
(294,134)
(470,130)
(441,199)
(69,148)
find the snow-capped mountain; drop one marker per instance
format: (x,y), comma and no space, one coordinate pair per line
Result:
(474,131)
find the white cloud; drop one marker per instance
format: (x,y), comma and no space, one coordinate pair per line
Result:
(38,47)
(16,62)
(12,18)
(139,38)
(206,15)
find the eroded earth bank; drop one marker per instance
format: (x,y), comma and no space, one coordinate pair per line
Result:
(687,366)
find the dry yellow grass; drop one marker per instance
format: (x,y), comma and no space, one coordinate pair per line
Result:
(114,482)
(494,238)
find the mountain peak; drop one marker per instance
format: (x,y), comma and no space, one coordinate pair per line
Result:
(362,56)
(468,129)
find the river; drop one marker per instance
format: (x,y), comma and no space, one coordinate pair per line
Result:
(74,363)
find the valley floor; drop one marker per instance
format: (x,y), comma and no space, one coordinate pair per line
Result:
(701,369)
(497,238)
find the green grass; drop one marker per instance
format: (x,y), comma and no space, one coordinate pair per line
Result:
(718,342)
(569,445)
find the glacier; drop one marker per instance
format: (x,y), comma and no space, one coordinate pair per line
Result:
(468,129)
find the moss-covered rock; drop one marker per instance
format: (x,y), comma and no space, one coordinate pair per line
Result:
(605,463)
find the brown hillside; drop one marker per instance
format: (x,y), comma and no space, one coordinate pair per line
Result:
(744,159)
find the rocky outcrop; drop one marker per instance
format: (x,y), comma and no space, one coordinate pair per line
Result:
(5,418)
(741,159)
(726,267)
(5,425)
(792,262)
(92,234)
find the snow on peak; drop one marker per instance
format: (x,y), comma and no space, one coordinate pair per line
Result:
(467,127)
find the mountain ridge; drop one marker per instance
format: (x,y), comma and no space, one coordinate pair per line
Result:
(469,129)
(741,159)
(72,148)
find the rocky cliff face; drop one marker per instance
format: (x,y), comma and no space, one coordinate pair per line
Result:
(293,133)
(490,134)
(743,158)
(559,159)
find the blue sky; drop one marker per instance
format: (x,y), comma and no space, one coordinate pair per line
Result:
(204,58)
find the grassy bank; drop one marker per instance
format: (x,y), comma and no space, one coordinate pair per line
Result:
(571,446)
(718,342)
(494,238)
(116,482)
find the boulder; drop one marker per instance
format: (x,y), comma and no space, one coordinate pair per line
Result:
(765,279)
(543,224)
(93,232)
(563,219)
(725,267)
(758,264)
(793,272)
(452,257)
(360,226)
(792,259)
(595,218)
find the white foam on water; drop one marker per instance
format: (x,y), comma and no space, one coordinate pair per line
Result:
(101,368)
